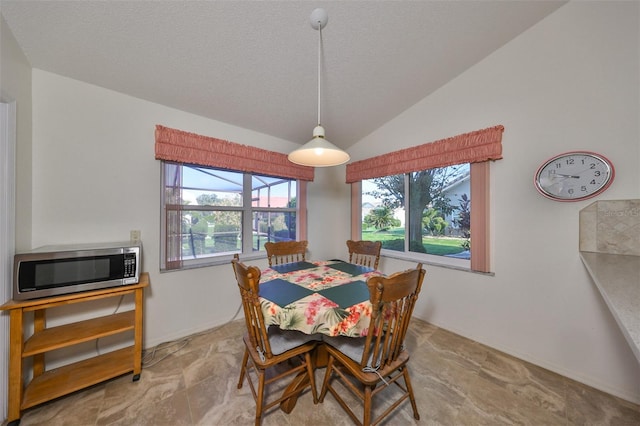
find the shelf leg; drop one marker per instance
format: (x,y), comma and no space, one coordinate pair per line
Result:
(39,324)
(137,346)
(15,366)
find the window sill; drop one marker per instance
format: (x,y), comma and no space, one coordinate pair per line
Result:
(216,261)
(439,261)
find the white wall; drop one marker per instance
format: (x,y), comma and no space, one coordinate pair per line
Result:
(15,86)
(569,83)
(95,178)
(15,95)
(329,207)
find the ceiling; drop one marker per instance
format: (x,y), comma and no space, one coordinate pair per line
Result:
(254,64)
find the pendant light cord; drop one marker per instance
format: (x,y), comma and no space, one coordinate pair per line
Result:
(319,62)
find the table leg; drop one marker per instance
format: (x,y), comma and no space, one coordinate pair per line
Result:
(319,358)
(298,382)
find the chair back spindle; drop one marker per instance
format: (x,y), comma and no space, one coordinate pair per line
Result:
(383,357)
(364,253)
(248,278)
(392,299)
(282,252)
(268,348)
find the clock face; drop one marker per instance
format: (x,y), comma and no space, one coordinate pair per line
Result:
(574,176)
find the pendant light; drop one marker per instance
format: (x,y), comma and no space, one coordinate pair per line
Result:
(319,152)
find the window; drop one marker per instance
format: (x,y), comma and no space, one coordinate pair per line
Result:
(220,198)
(209,214)
(432,221)
(439,166)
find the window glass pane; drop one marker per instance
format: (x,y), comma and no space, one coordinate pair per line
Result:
(206,233)
(172,183)
(383,215)
(272,192)
(207,211)
(273,226)
(203,186)
(173,232)
(436,210)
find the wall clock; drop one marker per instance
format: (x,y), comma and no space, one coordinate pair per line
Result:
(574,176)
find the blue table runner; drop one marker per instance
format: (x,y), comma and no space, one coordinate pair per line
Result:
(350,268)
(282,292)
(294,266)
(346,295)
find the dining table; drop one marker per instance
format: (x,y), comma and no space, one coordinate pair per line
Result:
(322,298)
(328,297)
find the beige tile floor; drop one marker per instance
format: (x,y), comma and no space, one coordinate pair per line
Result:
(457,382)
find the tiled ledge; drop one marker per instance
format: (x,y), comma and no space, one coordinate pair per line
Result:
(618,279)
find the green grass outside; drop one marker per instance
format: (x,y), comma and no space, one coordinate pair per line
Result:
(207,246)
(439,246)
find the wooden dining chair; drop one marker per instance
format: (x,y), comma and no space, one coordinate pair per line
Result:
(286,252)
(370,365)
(365,253)
(269,347)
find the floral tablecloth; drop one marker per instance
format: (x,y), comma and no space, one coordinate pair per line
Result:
(328,297)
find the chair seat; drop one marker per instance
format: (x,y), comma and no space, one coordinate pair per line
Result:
(299,349)
(353,347)
(365,377)
(284,340)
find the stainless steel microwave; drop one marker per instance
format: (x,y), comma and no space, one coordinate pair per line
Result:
(54,270)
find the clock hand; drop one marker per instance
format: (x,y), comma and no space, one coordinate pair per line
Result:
(552,180)
(567,176)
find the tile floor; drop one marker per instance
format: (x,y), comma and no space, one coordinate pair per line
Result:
(457,382)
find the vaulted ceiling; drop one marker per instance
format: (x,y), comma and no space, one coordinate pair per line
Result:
(254,64)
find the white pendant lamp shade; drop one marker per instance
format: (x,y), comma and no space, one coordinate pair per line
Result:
(319,152)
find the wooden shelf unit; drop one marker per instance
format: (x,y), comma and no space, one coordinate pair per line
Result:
(51,384)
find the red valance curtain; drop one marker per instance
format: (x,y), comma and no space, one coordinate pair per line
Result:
(190,148)
(473,147)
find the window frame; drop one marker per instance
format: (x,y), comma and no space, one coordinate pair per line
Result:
(247,210)
(182,147)
(480,243)
(478,148)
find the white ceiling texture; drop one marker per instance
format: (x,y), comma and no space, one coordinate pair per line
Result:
(254,64)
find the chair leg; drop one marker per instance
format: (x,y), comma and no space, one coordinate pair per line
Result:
(366,421)
(260,398)
(407,381)
(327,376)
(312,378)
(243,369)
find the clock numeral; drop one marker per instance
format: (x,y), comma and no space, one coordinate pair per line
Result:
(593,182)
(597,173)
(570,191)
(592,165)
(584,188)
(569,161)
